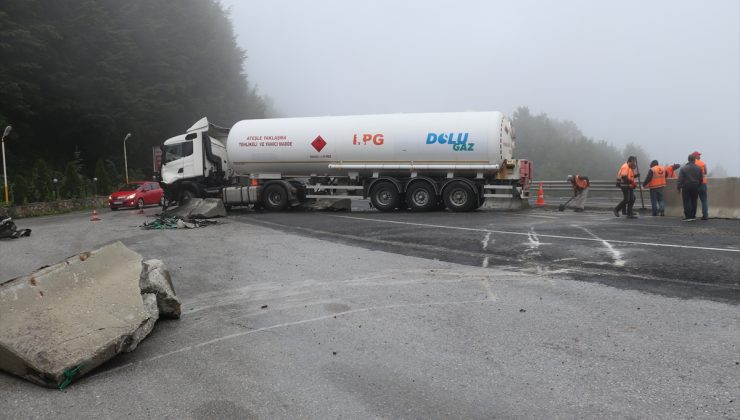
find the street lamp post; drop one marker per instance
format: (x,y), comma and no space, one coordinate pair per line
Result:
(56,193)
(125,158)
(5,173)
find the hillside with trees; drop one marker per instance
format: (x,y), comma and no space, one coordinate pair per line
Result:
(559,148)
(78,75)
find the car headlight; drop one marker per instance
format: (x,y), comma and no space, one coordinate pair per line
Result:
(131,196)
(110,197)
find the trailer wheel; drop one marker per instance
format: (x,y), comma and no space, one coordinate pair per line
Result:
(275,198)
(458,196)
(385,196)
(420,196)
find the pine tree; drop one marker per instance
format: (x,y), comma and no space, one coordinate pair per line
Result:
(71,184)
(104,186)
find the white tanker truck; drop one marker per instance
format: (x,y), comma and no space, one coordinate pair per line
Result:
(417,161)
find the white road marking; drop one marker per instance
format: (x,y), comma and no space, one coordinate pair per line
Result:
(485,240)
(563,259)
(504,232)
(484,264)
(616,255)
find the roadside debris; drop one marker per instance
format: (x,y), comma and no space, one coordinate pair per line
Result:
(9,230)
(175,222)
(64,320)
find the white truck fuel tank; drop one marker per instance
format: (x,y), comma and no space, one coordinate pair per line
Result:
(330,146)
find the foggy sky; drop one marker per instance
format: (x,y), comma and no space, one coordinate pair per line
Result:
(663,74)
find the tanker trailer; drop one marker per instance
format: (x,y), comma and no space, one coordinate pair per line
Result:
(417,161)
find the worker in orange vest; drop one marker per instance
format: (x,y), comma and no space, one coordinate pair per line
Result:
(580,186)
(670,171)
(626,182)
(703,187)
(655,181)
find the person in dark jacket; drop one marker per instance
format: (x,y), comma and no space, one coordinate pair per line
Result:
(689,181)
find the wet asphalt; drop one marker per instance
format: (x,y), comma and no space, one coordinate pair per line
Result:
(534,314)
(652,254)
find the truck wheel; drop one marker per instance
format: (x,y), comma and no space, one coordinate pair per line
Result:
(385,196)
(458,196)
(186,196)
(275,198)
(420,196)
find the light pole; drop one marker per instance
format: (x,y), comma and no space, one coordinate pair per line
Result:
(125,159)
(5,173)
(56,193)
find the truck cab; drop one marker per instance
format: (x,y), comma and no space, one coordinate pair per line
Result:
(195,164)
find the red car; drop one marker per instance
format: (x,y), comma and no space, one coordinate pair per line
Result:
(136,194)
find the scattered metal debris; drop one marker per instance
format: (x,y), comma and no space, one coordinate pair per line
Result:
(9,230)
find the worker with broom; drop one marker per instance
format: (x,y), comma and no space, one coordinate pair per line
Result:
(580,186)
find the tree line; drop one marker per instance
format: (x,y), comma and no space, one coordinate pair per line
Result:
(76,76)
(558,148)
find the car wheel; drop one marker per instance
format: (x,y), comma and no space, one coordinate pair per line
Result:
(140,204)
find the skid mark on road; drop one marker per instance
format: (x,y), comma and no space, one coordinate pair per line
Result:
(616,255)
(294,323)
(505,232)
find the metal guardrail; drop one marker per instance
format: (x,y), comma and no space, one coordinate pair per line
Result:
(608,186)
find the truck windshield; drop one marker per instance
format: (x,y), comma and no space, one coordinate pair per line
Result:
(176,151)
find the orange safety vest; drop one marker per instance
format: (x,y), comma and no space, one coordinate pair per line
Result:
(658,179)
(580,183)
(703,167)
(669,172)
(625,170)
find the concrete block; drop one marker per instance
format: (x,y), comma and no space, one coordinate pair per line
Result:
(156,279)
(723,195)
(328,204)
(61,321)
(199,208)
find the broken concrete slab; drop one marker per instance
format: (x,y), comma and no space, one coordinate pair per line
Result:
(61,321)
(199,208)
(328,204)
(155,278)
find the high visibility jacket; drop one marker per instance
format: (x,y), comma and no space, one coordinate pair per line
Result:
(580,183)
(625,170)
(658,177)
(703,167)
(669,172)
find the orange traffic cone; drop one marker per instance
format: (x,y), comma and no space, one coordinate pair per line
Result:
(540,197)
(95,216)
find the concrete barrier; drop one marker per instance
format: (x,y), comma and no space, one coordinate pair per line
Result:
(723,195)
(64,320)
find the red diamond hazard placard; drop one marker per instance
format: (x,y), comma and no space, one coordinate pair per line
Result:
(318,143)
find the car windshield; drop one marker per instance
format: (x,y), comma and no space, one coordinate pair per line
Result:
(130,187)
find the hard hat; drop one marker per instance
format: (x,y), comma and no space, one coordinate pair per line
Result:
(697,154)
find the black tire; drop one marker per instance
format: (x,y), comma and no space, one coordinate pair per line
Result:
(420,196)
(275,198)
(186,196)
(385,196)
(140,204)
(458,197)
